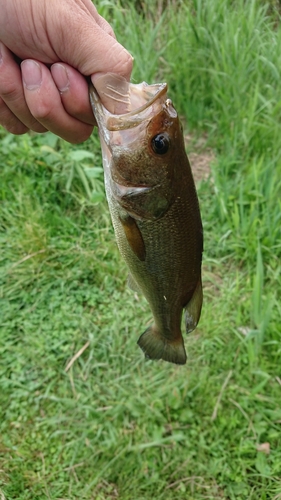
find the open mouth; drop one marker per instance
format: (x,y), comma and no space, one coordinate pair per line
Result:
(124,131)
(140,99)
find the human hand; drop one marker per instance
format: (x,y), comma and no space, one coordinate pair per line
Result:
(59,44)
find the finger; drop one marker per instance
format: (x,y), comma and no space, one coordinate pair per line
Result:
(45,104)
(53,33)
(74,92)
(11,92)
(91,9)
(91,50)
(114,92)
(106,27)
(9,121)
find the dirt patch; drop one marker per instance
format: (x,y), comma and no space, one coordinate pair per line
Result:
(108,489)
(200,158)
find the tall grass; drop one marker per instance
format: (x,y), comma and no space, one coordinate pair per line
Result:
(110,425)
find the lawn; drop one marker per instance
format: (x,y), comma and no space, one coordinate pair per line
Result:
(82,414)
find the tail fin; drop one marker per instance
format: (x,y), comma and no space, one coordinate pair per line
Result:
(155,346)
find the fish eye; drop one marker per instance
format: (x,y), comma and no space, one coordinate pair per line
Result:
(160,144)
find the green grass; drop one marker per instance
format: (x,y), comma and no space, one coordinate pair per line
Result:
(114,425)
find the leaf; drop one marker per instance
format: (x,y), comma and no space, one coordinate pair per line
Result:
(261,464)
(48,149)
(97,197)
(80,155)
(51,139)
(83,178)
(93,172)
(70,178)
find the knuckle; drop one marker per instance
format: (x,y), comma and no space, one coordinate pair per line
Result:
(15,127)
(42,112)
(8,92)
(37,127)
(82,136)
(9,121)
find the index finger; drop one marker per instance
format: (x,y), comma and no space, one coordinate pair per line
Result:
(45,104)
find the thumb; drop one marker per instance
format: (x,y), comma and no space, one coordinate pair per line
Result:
(90,49)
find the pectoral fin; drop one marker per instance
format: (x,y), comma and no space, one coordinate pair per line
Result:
(193,308)
(134,236)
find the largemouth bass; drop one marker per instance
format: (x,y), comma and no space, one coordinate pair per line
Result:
(154,210)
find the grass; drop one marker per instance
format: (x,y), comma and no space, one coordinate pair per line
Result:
(113,425)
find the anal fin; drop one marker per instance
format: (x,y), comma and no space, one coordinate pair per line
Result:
(193,308)
(133,285)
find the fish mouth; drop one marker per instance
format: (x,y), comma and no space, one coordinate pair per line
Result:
(140,98)
(142,102)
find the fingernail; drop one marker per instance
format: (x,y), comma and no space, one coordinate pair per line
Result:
(60,76)
(31,74)
(1,56)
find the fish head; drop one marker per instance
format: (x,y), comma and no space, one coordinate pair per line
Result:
(141,149)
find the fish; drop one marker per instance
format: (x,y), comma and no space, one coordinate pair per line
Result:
(154,208)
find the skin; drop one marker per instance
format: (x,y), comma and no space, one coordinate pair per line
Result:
(44,59)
